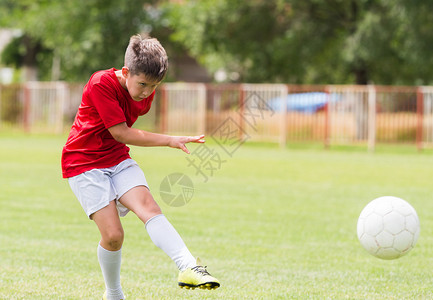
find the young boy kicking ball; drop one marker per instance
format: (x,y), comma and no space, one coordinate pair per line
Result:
(104,178)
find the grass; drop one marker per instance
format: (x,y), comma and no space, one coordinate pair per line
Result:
(269,223)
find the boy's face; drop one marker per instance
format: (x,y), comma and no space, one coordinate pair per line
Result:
(138,86)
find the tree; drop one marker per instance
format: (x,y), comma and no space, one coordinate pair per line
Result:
(84,35)
(27,53)
(317,41)
(287,41)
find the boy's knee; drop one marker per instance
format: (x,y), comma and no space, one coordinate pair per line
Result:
(114,239)
(155,210)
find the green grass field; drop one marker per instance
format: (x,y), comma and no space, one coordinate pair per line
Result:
(270,224)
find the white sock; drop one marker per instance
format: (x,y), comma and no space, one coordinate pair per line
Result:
(110,265)
(163,235)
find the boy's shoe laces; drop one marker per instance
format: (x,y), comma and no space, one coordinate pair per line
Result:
(201,270)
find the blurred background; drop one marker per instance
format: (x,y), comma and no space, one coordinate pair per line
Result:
(271,83)
(330,71)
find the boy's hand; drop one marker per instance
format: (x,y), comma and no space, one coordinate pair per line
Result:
(180,141)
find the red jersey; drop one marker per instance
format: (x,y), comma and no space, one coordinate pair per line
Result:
(105,103)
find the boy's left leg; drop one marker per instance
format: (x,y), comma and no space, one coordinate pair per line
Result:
(109,249)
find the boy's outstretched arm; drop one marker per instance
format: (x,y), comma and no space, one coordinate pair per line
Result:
(133,136)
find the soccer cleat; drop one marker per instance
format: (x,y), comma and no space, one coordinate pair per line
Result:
(197,277)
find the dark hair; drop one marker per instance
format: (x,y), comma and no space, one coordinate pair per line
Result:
(146,55)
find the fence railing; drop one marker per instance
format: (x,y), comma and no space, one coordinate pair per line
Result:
(331,114)
(39,106)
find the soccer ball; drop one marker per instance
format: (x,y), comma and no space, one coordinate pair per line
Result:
(388,227)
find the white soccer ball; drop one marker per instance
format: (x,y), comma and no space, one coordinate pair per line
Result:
(388,227)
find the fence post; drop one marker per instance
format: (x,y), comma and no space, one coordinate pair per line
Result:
(61,94)
(27,108)
(241,111)
(283,130)
(201,105)
(420,115)
(327,120)
(371,118)
(163,124)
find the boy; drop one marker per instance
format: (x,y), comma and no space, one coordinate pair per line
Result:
(104,178)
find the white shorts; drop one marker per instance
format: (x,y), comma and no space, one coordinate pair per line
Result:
(96,188)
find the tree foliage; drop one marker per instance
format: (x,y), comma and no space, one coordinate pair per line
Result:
(288,41)
(317,41)
(86,35)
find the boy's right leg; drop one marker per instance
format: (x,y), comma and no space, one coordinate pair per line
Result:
(109,249)
(140,201)
(164,235)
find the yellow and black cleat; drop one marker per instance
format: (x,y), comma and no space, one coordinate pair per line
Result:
(197,277)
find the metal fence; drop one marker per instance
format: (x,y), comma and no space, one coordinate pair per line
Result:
(39,106)
(329,114)
(183,108)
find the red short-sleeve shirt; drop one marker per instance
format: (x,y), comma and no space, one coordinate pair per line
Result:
(105,103)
